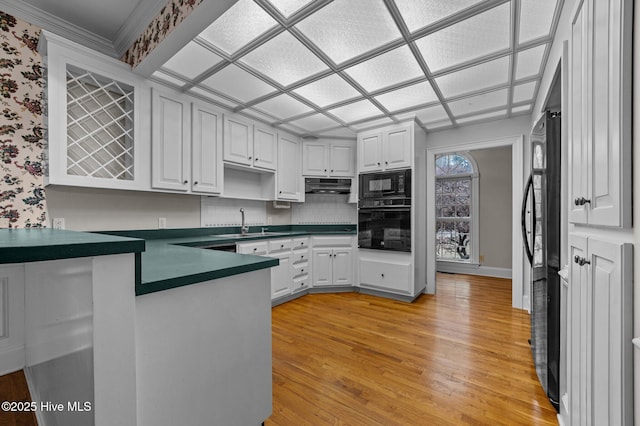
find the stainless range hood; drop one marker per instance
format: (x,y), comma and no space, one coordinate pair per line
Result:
(327,186)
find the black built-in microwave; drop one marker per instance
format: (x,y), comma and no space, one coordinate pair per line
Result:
(385,188)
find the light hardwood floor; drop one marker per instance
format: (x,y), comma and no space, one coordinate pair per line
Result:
(459,357)
(13,387)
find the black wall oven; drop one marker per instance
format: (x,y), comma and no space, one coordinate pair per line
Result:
(384,211)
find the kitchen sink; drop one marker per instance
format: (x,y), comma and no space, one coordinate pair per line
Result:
(253,234)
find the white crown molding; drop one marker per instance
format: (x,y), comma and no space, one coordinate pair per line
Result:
(136,23)
(58,26)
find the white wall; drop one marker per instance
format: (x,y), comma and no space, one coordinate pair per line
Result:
(494,165)
(636,207)
(88,209)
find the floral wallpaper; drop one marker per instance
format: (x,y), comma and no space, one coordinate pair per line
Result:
(22,198)
(170,17)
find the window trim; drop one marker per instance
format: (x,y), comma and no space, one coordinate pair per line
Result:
(474,208)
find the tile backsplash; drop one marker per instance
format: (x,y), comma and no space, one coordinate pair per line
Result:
(226,212)
(324,209)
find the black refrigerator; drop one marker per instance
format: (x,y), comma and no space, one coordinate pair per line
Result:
(541,236)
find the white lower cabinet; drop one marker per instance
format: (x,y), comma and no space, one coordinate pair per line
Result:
(332,260)
(12,351)
(386,271)
(281,283)
(599,332)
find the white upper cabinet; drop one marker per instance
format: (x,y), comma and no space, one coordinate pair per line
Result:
(600,105)
(96,132)
(265,148)
(385,149)
(248,145)
(328,158)
(206,152)
(186,144)
(289,174)
(171,151)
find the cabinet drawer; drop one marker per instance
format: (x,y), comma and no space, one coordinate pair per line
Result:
(388,276)
(280,245)
(301,269)
(300,256)
(300,243)
(258,248)
(301,283)
(333,241)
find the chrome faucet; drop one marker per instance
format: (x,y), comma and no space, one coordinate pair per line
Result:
(244,229)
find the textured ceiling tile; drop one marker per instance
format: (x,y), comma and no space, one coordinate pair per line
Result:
(345,29)
(238,26)
(289,7)
(394,67)
(475,78)
(536,17)
(473,38)
(480,102)
(416,94)
(328,91)
(283,106)
(192,60)
(529,62)
(418,14)
(238,84)
(315,122)
(356,111)
(284,59)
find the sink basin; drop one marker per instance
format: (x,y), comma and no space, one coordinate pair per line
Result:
(253,234)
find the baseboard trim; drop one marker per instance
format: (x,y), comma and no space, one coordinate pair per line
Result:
(12,359)
(387,295)
(485,271)
(344,289)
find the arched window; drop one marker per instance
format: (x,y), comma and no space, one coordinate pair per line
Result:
(456,208)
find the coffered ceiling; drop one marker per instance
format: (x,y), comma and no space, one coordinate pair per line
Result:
(316,67)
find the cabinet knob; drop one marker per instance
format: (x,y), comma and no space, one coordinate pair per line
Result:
(195,183)
(280,192)
(325,170)
(302,270)
(581,201)
(249,158)
(302,257)
(185,182)
(382,275)
(386,162)
(281,245)
(255,249)
(256,159)
(378,164)
(581,260)
(331,170)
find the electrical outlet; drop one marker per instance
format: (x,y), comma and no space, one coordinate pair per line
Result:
(58,223)
(162,223)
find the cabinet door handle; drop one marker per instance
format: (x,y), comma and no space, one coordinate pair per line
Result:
(581,260)
(581,201)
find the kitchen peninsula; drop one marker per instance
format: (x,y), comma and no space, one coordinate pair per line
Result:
(160,358)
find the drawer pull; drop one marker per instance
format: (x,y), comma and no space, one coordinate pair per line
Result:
(581,201)
(382,275)
(255,249)
(581,260)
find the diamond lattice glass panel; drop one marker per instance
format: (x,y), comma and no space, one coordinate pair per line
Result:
(192,60)
(168,78)
(356,111)
(328,91)
(529,61)
(536,17)
(418,14)
(315,122)
(522,108)
(345,29)
(282,107)
(388,69)
(524,92)
(237,83)
(488,74)
(284,59)
(372,123)
(481,117)
(479,103)
(289,7)
(473,38)
(416,94)
(238,26)
(99,126)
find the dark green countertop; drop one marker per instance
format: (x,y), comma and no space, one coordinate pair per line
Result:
(173,259)
(40,244)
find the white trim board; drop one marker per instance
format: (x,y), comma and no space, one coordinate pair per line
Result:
(463,268)
(517,173)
